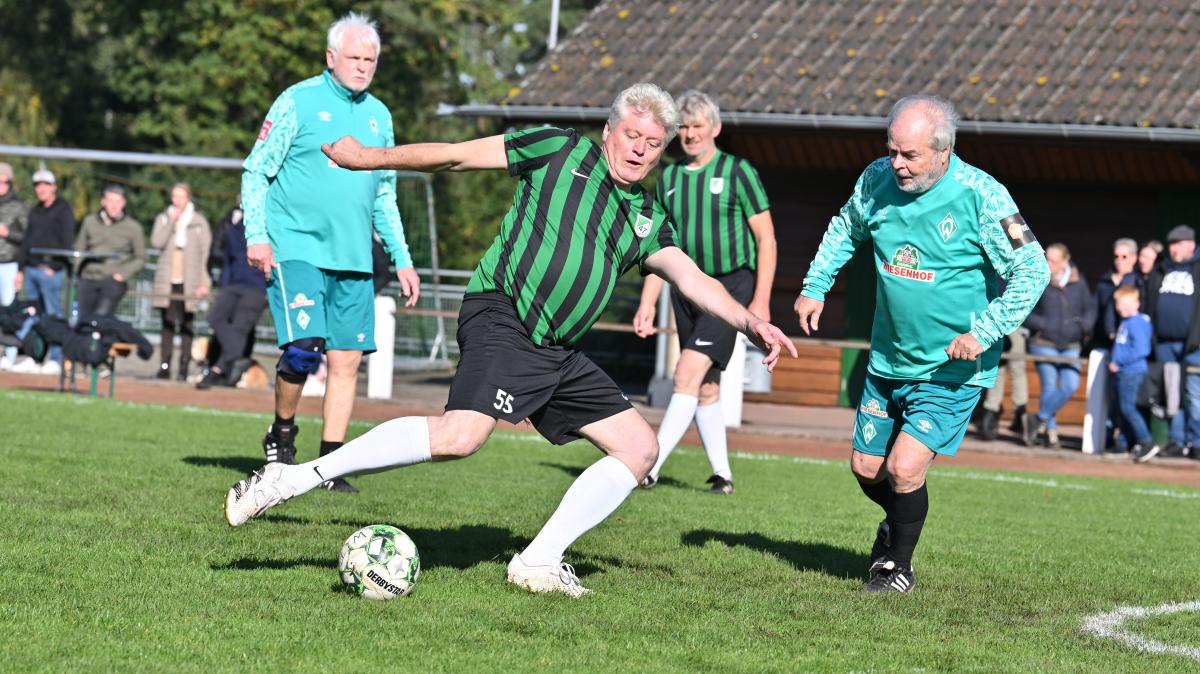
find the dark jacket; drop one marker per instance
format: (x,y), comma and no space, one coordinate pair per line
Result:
(1065,315)
(1107,320)
(52,227)
(1150,292)
(236,271)
(13,213)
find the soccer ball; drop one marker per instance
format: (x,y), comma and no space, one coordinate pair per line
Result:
(379,562)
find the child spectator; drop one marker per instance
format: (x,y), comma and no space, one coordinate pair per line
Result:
(1130,350)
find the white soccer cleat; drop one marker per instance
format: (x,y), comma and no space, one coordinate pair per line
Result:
(549,578)
(256,494)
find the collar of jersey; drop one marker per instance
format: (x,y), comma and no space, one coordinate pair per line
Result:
(340,90)
(699,169)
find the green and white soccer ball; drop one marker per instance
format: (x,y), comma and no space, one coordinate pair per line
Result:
(379,562)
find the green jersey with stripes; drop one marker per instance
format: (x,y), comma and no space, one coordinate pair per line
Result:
(710,206)
(570,234)
(939,258)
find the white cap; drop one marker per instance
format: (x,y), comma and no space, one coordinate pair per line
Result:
(43,176)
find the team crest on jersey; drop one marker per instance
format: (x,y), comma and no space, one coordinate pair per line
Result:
(303,319)
(906,263)
(872,407)
(947,227)
(374,126)
(869,432)
(642,226)
(716,185)
(301,300)
(325,116)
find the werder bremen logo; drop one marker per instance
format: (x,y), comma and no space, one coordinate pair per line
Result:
(906,264)
(946,227)
(873,408)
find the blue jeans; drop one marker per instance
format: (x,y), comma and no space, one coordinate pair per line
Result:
(8,293)
(1059,382)
(1132,422)
(1185,426)
(46,289)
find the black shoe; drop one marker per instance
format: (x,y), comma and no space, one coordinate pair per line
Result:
(883,540)
(1018,423)
(889,576)
(1143,453)
(210,379)
(720,485)
(1032,427)
(164,371)
(989,425)
(339,484)
(279,444)
(648,482)
(1174,449)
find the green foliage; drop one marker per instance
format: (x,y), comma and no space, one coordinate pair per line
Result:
(150,578)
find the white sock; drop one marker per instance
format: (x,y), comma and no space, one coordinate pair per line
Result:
(392,444)
(593,496)
(674,424)
(710,421)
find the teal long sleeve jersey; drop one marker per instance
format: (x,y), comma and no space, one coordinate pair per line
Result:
(304,205)
(939,257)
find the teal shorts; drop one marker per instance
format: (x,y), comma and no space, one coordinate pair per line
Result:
(934,413)
(337,306)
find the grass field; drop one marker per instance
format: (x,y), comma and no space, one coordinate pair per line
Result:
(116,557)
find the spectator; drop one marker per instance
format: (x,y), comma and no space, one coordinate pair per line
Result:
(51,224)
(1058,325)
(1123,273)
(1148,256)
(1171,298)
(182,235)
(13,213)
(236,309)
(989,425)
(103,282)
(1130,349)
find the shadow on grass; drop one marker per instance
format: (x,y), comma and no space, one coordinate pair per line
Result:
(576,471)
(457,547)
(836,562)
(242,464)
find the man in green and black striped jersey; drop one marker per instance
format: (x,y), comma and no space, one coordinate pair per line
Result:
(719,206)
(579,220)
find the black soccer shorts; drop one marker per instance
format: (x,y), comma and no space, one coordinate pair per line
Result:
(502,374)
(707,334)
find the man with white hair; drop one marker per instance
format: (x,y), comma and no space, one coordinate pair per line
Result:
(720,207)
(308,229)
(579,220)
(944,234)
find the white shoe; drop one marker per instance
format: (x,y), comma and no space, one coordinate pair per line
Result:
(51,367)
(550,578)
(6,364)
(256,494)
(26,366)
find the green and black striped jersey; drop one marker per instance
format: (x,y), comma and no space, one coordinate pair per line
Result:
(570,234)
(711,206)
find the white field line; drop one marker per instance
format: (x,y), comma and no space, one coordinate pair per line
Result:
(1048,483)
(1111,625)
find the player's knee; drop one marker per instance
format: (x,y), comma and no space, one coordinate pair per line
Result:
(867,468)
(710,392)
(906,475)
(300,359)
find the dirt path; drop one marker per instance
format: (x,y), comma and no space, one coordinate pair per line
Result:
(428,400)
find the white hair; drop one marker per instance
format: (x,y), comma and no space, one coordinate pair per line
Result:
(938,111)
(1126,243)
(692,103)
(648,99)
(353,21)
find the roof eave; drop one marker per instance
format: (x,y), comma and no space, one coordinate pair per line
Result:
(546,113)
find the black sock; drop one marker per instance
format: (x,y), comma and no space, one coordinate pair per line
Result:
(328,446)
(281,422)
(907,518)
(879,492)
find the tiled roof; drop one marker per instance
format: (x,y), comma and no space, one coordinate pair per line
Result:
(1124,63)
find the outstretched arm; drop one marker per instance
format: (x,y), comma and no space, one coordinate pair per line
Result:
(711,297)
(471,155)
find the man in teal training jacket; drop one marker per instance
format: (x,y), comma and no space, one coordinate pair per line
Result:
(308,229)
(943,235)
